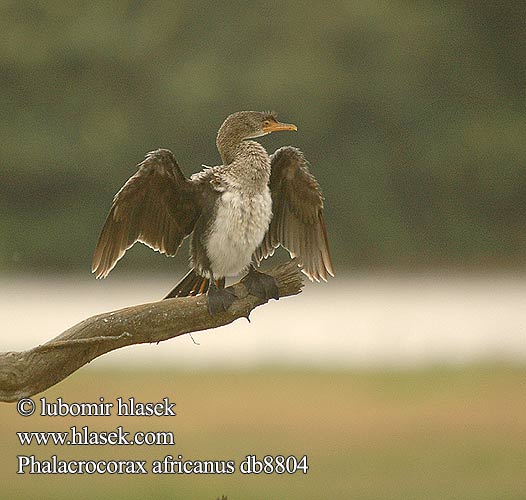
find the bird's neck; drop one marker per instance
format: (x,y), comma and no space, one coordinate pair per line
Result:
(228,142)
(249,169)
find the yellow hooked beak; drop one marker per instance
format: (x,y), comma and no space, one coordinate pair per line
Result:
(275,126)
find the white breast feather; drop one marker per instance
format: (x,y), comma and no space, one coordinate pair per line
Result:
(239,228)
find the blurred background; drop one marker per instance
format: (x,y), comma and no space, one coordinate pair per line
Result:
(404,377)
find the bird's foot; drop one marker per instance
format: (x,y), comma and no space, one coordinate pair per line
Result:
(219,299)
(261,285)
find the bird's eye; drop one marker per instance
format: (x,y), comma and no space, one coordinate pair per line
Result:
(266,123)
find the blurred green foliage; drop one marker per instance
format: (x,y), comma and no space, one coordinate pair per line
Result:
(412,115)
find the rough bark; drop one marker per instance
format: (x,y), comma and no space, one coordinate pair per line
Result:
(26,373)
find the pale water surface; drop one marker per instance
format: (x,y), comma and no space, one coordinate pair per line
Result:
(362,321)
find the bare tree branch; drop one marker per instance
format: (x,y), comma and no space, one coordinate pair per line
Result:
(26,373)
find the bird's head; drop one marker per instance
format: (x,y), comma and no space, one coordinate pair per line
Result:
(251,124)
(245,125)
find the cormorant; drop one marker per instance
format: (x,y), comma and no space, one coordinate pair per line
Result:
(238,213)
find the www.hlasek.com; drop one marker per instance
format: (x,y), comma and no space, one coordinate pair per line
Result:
(83,436)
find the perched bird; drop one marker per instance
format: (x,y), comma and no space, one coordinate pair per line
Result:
(238,213)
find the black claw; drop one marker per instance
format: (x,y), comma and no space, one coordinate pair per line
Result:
(219,299)
(261,285)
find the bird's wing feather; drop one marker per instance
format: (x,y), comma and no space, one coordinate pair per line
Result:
(297,222)
(157,206)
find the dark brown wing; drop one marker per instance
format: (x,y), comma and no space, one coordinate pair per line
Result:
(297,222)
(157,206)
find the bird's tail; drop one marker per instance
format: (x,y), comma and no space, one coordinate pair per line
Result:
(193,284)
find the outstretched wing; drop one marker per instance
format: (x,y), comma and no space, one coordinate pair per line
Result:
(297,222)
(157,206)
